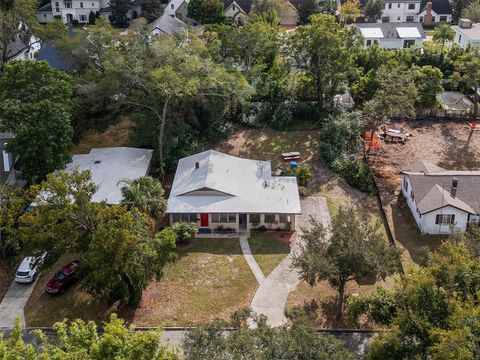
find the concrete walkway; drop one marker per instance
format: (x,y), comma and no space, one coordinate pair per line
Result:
(247,254)
(271,295)
(13,303)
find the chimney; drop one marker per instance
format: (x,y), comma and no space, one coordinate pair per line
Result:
(428,14)
(197,165)
(453,189)
(465,23)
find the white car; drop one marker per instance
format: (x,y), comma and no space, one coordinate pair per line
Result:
(27,272)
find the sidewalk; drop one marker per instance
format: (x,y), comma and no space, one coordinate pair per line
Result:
(13,303)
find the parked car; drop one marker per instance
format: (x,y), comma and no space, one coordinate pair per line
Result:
(63,279)
(27,272)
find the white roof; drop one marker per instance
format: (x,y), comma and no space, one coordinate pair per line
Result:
(111,168)
(227,184)
(408,32)
(372,32)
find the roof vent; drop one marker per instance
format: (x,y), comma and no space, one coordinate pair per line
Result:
(197,165)
(465,23)
(97,161)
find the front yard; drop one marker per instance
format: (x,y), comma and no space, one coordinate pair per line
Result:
(269,250)
(210,279)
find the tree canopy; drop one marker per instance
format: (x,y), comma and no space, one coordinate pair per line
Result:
(206,11)
(373,10)
(35,105)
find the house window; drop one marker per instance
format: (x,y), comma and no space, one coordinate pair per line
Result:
(68,5)
(433,18)
(385,19)
(411,6)
(224,218)
(369,42)
(444,219)
(81,5)
(172,6)
(443,19)
(269,218)
(233,7)
(184,217)
(412,197)
(83,17)
(410,18)
(254,218)
(398,5)
(283,218)
(389,6)
(398,18)
(421,19)
(408,43)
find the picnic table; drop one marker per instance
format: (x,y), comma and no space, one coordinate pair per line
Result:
(294,155)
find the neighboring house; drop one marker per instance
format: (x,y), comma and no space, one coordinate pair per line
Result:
(467,34)
(177,8)
(424,11)
(6,160)
(392,35)
(70,10)
(166,24)
(455,101)
(215,190)
(236,12)
(111,169)
(441,200)
(25,47)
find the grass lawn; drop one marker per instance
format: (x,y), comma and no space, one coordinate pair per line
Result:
(268,251)
(44,310)
(210,279)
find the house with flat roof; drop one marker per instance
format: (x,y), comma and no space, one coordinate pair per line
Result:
(216,190)
(467,34)
(392,35)
(440,200)
(111,169)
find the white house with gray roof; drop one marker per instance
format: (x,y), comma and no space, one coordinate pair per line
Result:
(392,35)
(441,200)
(213,190)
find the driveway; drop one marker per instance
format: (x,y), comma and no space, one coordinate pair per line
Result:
(272,293)
(13,303)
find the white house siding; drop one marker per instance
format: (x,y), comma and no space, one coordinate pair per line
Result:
(235,225)
(392,43)
(435,17)
(463,41)
(429,226)
(399,11)
(44,17)
(411,203)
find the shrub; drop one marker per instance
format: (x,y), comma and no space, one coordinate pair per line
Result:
(358,175)
(282,117)
(303,191)
(304,175)
(74,22)
(184,231)
(262,228)
(381,306)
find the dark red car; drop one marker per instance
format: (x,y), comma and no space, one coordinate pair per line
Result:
(63,279)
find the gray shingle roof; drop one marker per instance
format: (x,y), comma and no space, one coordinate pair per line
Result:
(168,25)
(432,187)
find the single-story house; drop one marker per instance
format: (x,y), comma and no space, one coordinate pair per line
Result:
(168,25)
(441,200)
(392,35)
(467,34)
(111,169)
(216,190)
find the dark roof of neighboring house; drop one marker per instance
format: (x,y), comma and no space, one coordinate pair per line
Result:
(16,47)
(46,8)
(245,5)
(105,10)
(169,25)
(441,7)
(431,186)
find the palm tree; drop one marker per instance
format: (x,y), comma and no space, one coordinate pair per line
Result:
(443,33)
(145,194)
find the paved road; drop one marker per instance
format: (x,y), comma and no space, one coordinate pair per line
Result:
(13,303)
(272,293)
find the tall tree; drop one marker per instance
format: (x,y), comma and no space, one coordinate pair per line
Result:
(321,51)
(298,341)
(35,105)
(467,72)
(260,6)
(78,339)
(306,9)
(354,249)
(350,10)
(443,33)
(472,11)
(206,11)
(119,17)
(373,10)
(145,194)
(152,9)
(458,6)
(428,81)
(394,97)
(118,253)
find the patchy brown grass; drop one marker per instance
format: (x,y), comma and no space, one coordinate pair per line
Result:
(114,135)
(211,279)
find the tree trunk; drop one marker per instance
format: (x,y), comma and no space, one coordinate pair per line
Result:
(475,105)
(161,130)
(341,300)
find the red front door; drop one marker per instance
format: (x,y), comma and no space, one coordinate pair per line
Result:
(204,220)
